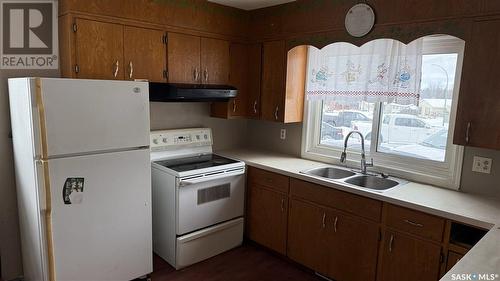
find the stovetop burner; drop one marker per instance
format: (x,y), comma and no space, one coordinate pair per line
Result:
(196,162)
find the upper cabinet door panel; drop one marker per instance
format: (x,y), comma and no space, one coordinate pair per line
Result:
(215,61)
(183,58)
(145,54)
(254,79)
(479,101)
(273,81)
(99,50)
(238,78)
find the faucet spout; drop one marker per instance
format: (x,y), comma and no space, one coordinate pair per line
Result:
(343,156)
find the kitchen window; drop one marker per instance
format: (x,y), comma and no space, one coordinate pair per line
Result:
(402,98)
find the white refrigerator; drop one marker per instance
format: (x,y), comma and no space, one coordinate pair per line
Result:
(83,176)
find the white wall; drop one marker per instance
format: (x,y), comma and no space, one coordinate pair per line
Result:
(227,134)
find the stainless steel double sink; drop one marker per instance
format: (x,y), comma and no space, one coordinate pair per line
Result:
(369,181)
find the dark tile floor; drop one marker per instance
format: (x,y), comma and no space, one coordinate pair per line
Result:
(245,263)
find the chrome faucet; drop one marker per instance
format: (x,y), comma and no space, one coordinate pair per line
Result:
(343,157)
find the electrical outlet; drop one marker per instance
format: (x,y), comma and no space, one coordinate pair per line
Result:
(482,164)
(283,134)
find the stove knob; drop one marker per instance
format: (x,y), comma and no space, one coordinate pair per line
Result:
(155,141)
(165,140)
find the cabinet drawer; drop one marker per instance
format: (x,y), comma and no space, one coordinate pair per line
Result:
(357,205)
(415,222)
(268,179)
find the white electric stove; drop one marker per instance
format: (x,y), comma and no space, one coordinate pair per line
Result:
(198,197)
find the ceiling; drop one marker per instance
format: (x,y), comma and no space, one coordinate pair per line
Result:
(250,4)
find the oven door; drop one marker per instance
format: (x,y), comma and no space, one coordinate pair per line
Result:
(209,199)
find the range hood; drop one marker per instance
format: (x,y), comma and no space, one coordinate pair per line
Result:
(172,92)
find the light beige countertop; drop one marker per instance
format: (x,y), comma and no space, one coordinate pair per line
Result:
(480,211)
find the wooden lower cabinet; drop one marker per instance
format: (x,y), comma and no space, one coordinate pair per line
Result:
(267,214)
(404,257)
(315,227)
(453,258)
(305,226)
(336,245)
(351,246)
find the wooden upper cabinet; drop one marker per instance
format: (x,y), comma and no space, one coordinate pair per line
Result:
(98,50)
(283,82)
(145,54)
(254,80)
(479,101)
(273,81)
(238,77)
(215,61)
(183,58)
(267,217)
(406,258)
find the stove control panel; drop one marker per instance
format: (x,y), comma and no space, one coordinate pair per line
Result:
(170,139)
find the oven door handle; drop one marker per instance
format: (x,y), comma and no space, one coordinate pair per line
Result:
(232,173)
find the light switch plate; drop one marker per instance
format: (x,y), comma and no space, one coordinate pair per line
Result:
(481,164)
(283,134)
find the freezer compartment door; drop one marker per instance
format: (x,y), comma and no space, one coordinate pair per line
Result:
(208,242)
(101,216)
(93,115)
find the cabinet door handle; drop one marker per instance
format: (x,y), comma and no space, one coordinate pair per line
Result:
(234,105)
(323,225)
(467,133)
(131,69)
(117,68)
(335,224)
(255,107)
(205,74)
(195,74)
(414,223)
(282,204)
(391,241)
(276,112)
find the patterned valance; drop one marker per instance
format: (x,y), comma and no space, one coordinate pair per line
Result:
(381,70)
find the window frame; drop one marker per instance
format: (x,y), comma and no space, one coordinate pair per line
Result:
(444,174)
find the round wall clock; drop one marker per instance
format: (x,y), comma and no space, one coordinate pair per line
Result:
(359,20)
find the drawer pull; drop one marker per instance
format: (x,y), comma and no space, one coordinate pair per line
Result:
(131,69)
(323,222)
(467,133)
(414,223)
(117,68)
(391,241)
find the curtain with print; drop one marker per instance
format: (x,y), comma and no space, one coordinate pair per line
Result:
(382,70)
